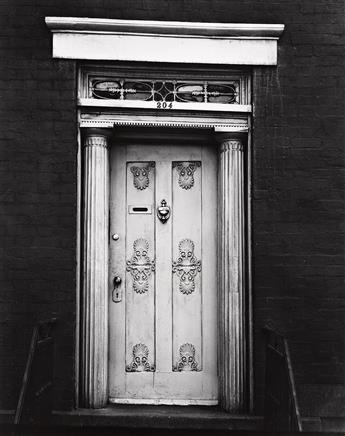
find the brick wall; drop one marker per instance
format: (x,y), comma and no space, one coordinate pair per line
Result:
(38,195)
(298,180)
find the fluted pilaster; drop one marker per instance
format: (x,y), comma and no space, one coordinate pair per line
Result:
(232,358)
(95,271)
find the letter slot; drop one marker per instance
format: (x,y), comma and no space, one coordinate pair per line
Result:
(140,209)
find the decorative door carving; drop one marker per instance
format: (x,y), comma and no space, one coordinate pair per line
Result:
(186,173)
(163,328)
(187,359)
(141,174)
(140,360)
(140,266)
(186,266)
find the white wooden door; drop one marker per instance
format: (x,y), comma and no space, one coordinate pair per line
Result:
(163,323)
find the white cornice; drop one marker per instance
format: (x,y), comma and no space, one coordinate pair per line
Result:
(224,30)
(164,41)
(150,119)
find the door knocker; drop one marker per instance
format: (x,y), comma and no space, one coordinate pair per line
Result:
(163,211)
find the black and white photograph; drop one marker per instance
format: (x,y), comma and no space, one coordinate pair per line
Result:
(172,203)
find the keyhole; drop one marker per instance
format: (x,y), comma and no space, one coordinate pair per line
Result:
(117,293)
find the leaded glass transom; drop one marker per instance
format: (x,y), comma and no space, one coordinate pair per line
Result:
(165,90)
(183,89)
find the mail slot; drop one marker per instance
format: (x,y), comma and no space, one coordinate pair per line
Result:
(140,208)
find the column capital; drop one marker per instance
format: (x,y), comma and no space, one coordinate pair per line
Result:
(230,141)
(96,137)
(231,145)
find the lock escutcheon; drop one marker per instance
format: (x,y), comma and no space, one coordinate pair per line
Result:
(117,292)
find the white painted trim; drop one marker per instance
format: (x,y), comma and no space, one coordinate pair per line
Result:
(167,402)
(144,48)
(94,369)
(164,41)
(249,267)
(146,122)
(78,267)
(91,102)
(97,25)
(231,283)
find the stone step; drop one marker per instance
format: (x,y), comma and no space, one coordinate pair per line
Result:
(158,417)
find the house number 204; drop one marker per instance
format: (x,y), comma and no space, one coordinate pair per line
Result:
(164,105)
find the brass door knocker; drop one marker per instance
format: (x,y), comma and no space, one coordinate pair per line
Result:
(163,211)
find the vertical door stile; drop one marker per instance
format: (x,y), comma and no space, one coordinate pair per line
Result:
(209,269)
(163,273)
(117,267)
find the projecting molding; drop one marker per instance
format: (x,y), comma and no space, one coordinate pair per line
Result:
(164,41)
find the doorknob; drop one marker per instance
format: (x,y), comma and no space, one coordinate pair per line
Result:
(117,281)
(163,211)
(117,292)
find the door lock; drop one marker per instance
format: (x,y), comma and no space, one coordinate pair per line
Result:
(163,211)
(117,291)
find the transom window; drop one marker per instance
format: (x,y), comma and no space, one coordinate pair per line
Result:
(165,90)
(181,90)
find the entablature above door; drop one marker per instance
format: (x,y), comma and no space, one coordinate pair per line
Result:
(229,122)
(164,41)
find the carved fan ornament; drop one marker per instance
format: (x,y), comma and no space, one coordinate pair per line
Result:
(187,360)
(141,175)
(140,266)
(187,266)
(140,362)
(186,172)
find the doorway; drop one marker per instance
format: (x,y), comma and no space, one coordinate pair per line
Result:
(163,269)
(227,326)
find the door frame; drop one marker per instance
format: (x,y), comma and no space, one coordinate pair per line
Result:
(232,137)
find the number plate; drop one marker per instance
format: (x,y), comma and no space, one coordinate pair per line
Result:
(164,104)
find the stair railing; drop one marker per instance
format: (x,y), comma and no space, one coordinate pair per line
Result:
(281,406)
(35,398)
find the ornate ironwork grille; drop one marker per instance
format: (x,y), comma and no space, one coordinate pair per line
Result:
(165,91)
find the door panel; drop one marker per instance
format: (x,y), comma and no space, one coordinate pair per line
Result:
(186,266)
(140,267)
(163,332)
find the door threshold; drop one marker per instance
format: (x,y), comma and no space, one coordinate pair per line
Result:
(163,402)
(163,417)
